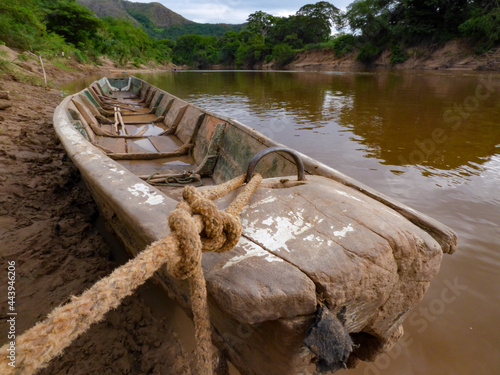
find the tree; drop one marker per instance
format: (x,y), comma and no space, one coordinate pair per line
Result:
(76,23)
(260,22)
(283,54)
(20,23)
(298,29)
(370,18)
(322,16)
(252,52)
(195,50)
(429,20)
(121,40)
(229,45)
(323,11)
(483,26)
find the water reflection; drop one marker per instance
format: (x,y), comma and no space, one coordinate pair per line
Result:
(440,122)
(436,121)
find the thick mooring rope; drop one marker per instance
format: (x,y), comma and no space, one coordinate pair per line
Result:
(180,251)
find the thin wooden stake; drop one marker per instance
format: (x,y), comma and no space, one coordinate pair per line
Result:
(44,75)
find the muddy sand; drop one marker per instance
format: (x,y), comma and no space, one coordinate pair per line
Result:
(48,228)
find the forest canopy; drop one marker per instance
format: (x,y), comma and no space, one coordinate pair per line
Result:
(368,27)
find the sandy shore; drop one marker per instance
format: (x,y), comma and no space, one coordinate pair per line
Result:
(48,228)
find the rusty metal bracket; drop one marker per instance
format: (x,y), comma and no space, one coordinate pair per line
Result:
(295,155)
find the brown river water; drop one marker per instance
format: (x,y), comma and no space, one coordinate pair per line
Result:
(429,139)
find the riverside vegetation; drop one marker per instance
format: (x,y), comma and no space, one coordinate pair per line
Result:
(54,28)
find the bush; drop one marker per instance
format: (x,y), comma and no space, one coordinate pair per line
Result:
(294,41)
(252,52)
(343,44)
(398,56)
(136,62)
(368,53)
(483,29)
(4,64)
(196,51)
(283,54)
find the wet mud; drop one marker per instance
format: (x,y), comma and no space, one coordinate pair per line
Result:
(48,228)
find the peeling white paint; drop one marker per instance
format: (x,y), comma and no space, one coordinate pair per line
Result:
(251,250)
(89,155)
(318,240)
(71,133)
(310,238)
(268,221)
(259,203)
(279,230)
(343,232)
(143,190)
(343,193)
(114,169)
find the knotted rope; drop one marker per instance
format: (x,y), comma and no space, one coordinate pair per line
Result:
(181,251)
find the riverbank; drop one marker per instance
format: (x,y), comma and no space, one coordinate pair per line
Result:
(48,228)
(453,55)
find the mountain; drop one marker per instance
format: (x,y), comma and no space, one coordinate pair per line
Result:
(159,16)
(155,19)
(151,14)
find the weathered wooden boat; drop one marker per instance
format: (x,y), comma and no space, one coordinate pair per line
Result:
(326,270)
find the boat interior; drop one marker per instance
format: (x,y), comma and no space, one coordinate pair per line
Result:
(165,140)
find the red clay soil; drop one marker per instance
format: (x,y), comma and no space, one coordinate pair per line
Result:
(47,227)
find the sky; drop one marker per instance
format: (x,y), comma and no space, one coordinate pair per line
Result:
(235,11)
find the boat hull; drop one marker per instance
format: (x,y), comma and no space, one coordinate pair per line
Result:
(331,244)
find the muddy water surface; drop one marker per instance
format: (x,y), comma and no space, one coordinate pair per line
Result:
(429,139)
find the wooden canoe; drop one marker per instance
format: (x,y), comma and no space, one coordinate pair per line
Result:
(326,270)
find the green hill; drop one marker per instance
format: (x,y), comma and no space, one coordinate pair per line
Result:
(109,8)
(155,19)
(155,13)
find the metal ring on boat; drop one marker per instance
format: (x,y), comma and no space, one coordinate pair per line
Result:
(298,161)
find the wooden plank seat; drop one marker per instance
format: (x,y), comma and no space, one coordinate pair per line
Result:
(105,90)
(146,130)
(165,166)
(159,144)
(143,118)
(165,143)
(114,145)
(102,116)
(135,147)
(107,109)
(92,116)
(109,104)
(140,145)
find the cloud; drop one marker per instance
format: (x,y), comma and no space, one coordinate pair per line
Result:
(212,13)
(234,11)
